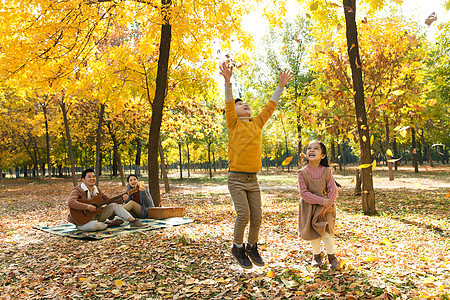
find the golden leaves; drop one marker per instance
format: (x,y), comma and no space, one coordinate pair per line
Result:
(287,161)
(314,6)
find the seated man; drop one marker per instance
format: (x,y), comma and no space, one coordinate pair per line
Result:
(81,212)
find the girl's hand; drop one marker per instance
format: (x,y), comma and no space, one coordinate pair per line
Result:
(285,76)
(125,197)
(226,72)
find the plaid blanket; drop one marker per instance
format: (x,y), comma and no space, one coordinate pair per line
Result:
(69,230)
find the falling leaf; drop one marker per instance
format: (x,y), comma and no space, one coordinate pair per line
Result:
(334,4)
(314,5)
(431,102)
(287,161)
(317,48)
(411,38)
(374,164)
(363,127)
(327,46)
(394,160)
(364,138)
(431,18)
(351,47)
(363,166)
(389,152)
(372,138)
(398,92)
(339,27)
(364,21)
(348,9)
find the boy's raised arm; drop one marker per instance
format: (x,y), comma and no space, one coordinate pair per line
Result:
(226,72)
(285,76)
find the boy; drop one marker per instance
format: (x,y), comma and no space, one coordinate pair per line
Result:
(86,190)
(244,153)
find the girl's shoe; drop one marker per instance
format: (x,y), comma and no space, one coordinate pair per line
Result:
(317,260)
(334,262)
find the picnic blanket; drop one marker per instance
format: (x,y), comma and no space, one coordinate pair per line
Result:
(69,230)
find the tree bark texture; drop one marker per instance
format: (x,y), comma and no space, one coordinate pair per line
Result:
(69,140)
(98,145)
(368,194)
(158,104)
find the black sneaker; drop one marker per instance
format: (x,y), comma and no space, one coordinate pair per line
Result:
(252,252)
(240,257)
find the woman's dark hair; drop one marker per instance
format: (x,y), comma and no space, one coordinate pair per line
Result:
(128,178)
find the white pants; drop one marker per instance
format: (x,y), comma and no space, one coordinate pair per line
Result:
(108,211)
(327,241)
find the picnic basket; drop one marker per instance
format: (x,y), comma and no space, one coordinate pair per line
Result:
(165,212)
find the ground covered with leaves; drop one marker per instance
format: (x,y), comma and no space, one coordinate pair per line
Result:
(402,253)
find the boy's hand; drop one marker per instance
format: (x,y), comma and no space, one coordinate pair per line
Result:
(226,72)
(285,76)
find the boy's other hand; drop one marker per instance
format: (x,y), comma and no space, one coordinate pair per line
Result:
(285,76)
(226,72)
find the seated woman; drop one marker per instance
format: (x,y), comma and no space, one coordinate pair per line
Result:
(138,203)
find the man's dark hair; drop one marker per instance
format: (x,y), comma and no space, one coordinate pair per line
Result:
(83,174)
(237,100)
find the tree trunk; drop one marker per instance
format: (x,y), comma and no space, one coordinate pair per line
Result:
(299,138)
(69,140)
(47,140)
(158,105)
(116,153)
(419,153)
(138,157)
(340,155)
(414,151)
(388,157)
(358,183)
(333,153)
(383,153)
(394,146)
(188,160)
(209,159)
(163,168)
(368,194)
(181,161)
(98,151)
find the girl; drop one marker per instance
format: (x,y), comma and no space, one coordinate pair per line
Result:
(138,203)
(317,211)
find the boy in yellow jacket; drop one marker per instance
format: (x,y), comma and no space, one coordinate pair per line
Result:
(244,154)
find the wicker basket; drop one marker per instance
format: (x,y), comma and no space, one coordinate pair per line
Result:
(165,212)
